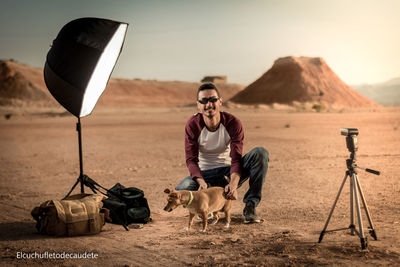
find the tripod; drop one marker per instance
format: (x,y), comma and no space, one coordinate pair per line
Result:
(82,179)
(355,191)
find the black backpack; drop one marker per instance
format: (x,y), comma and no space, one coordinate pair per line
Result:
(126,205)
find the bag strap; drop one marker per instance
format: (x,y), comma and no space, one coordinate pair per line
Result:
(95,187)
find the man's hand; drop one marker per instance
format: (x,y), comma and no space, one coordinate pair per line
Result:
(202,183)
(231,191)
(231,188)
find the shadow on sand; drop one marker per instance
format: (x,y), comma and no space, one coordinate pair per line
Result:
(12,231)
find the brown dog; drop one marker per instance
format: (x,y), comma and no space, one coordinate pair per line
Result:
(203,202)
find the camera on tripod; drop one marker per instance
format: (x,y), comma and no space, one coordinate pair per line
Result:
(351,138)
(355,191)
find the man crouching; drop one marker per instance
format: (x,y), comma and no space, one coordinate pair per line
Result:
(213,148)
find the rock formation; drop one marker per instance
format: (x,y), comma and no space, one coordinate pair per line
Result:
(301,79)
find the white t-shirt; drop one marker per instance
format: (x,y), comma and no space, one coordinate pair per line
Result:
(214,148)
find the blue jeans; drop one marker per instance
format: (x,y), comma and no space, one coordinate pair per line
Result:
(254,166)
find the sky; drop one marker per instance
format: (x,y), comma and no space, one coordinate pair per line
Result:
(186,39)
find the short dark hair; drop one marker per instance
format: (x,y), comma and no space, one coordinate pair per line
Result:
(207,86)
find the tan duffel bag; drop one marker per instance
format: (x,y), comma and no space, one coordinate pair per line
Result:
(80,214)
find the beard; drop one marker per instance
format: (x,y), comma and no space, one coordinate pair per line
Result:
(210,112)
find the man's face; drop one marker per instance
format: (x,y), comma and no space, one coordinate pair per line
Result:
(209,107)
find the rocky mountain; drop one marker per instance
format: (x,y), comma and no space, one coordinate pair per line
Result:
(304,80)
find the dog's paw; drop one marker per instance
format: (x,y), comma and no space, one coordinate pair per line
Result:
(186,229)
(203,230)
(226,225)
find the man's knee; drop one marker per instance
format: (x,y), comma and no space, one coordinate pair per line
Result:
(179,187)
(261,154)
(186,184)
(182,186)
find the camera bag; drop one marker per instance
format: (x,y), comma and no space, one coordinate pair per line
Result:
(80,214)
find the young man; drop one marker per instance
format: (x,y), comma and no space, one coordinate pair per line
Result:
(213,147)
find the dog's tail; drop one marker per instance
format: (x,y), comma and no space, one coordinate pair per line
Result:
(227,179)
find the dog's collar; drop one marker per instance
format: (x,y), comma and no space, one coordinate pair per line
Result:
(190,200)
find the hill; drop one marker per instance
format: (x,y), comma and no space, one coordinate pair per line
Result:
(386,93)
(21,84)
(302,79)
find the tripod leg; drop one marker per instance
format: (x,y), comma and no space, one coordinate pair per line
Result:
(352,225)
(332,209)
(73,187)
(363,240)
(372,230)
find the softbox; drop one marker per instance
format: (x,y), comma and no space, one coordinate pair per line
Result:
(80,62)
(78,67)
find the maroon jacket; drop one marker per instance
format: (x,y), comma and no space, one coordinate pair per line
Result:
(193,131)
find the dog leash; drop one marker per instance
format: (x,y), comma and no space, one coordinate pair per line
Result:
(190,200)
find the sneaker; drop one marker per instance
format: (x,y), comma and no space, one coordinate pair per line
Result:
(249,213)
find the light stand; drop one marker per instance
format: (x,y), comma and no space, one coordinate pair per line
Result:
(78,67)
(355,191)
(82,179)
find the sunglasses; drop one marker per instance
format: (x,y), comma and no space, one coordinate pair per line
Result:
(210,99)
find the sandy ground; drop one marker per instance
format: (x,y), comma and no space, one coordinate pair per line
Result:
(144,148)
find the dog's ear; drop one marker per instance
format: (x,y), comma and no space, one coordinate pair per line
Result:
(167,191)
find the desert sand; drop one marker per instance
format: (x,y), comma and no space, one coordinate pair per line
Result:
(143,147)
